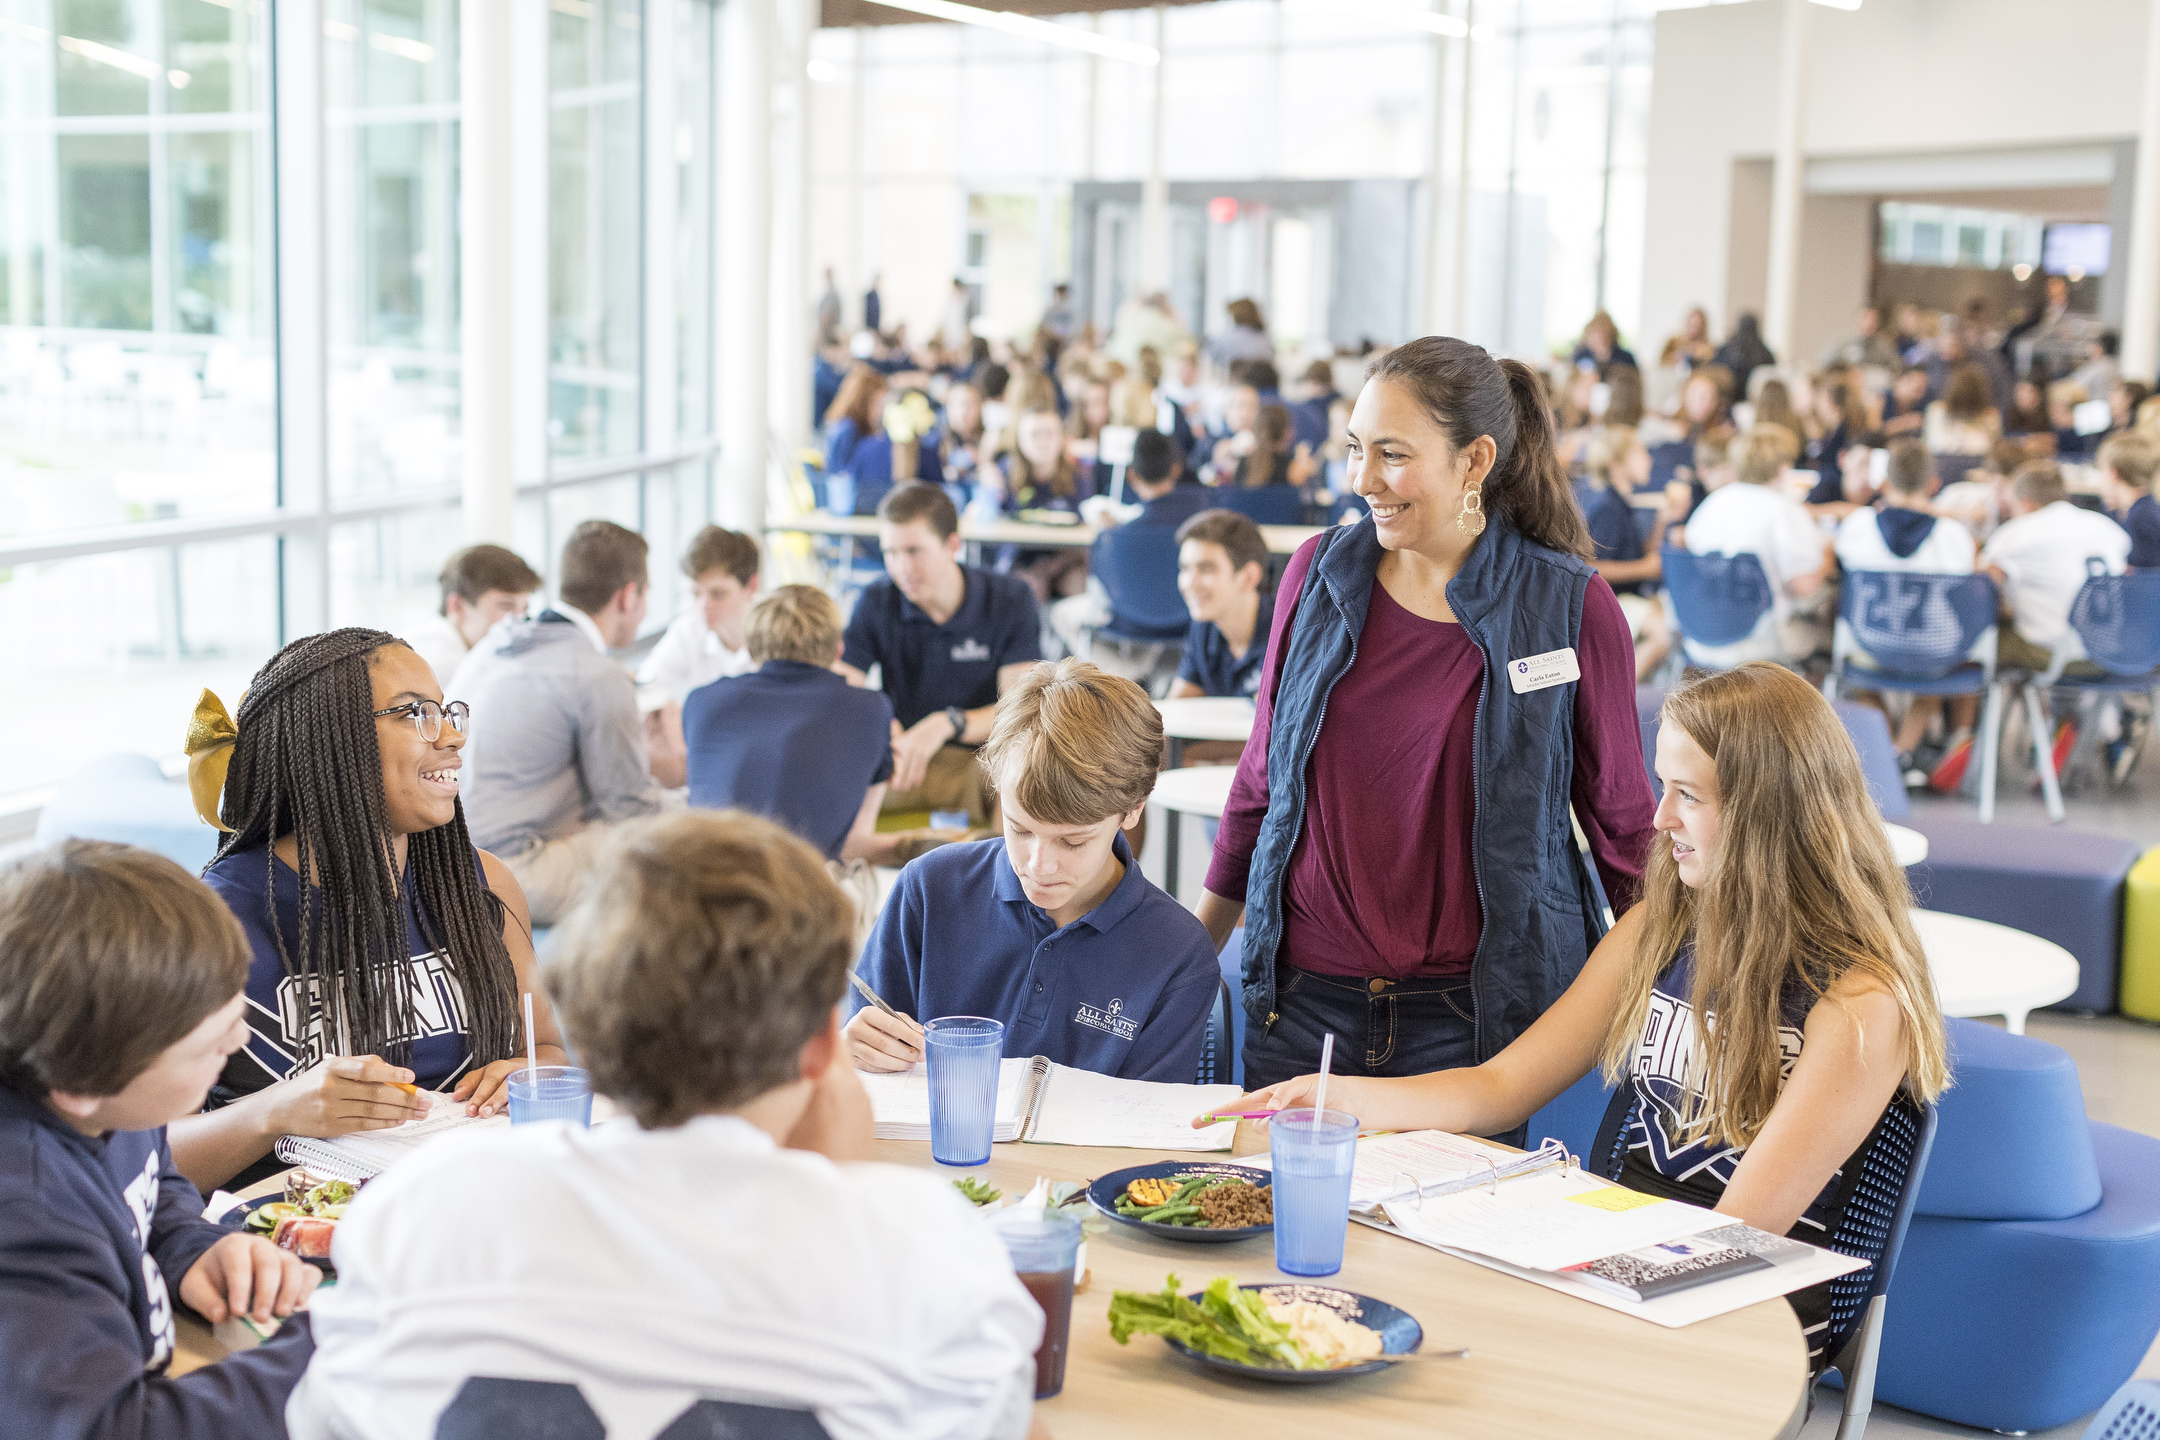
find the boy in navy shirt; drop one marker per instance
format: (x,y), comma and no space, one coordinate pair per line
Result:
(2127,461)
(947,639)
(1617,466)
(1157,481)
(1222,569)
(1052,928)
(120,997)
(791,739)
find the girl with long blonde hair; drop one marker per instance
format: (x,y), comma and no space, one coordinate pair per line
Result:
(1765,1007)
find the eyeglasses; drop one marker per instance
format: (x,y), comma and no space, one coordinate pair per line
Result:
(428,717)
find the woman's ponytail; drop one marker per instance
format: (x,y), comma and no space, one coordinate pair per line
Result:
(1469,394)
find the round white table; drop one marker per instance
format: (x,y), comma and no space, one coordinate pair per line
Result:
(1982,968)
(1204,717)
(1910,846)
(1201,790)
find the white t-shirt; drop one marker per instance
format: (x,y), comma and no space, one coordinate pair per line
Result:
(2043,556)
(439,643)
(1757,520)
(689,655)
(1947,550)
(657,1268)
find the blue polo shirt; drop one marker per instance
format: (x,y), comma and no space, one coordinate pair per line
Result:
(2142,520)
(1124,990)
(790,741)
(1611,518)
(1211,664)
(1184,501)
(928,666)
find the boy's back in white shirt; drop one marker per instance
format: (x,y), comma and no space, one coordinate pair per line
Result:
(2043,558)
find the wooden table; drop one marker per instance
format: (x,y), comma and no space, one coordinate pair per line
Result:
(1281,539)
(1982,968)
(1201,790)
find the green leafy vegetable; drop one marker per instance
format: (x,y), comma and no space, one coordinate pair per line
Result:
(976,1190)
(1225,1321)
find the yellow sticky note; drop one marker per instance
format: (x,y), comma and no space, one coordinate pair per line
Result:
(1615,1198)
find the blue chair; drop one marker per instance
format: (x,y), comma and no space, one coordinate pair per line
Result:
(126,798)
(2133,1414)
(2029,1288)
(1137,565)
(1926,635)
(1231,961)
(2114,624)
(1718,601)
(1217,1057)
(1263,504)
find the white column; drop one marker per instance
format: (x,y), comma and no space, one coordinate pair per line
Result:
(302,317)
(789,396)
(1459,301)
(2141,302)
(1154,190)
(1439,193)
(746,220)
(1786,182)
(663,190)
(486,227)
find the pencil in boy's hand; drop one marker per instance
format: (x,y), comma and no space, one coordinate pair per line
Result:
(873,997)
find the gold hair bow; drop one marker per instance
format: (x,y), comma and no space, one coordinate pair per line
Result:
(210,738)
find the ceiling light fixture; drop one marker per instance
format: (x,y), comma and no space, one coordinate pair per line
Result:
(1029,28)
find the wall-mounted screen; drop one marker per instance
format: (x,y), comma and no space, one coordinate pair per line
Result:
(2076,249)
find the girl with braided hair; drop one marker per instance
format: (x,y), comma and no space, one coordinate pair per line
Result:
(400,959)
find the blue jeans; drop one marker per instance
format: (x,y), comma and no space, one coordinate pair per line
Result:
(1404,1027)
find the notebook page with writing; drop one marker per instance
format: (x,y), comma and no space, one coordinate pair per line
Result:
(1079,1107)
(900,1100)
(1551,1221)
(365,1154)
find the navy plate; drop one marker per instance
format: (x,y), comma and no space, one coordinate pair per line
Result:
(236,1219)
(1104,1193)
(1400,1333)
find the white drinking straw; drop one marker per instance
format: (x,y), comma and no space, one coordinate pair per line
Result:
(1319,1100)
(532,1048)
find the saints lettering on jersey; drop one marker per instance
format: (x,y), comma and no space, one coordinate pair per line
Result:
(1664,1069)
(142,1196)
(296,1034)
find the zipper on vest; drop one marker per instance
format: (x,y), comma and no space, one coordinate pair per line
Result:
(1477,805)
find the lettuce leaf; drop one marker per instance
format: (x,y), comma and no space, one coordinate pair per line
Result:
(1227,1322)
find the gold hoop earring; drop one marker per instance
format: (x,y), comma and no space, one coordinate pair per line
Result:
(1471,519)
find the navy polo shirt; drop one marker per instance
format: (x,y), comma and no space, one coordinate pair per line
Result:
(1211,664)
(790,741)
(1182,503)
(2142,520)
(1124,990)
(928,666)
(1612,526)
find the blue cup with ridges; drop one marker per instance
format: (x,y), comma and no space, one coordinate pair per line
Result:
(551,1092)
(1313,1155)
(963,1052)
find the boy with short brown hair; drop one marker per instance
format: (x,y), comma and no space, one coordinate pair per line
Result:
(121,993)
(705,642)
(481,586)
(1050,928)
(2127,462)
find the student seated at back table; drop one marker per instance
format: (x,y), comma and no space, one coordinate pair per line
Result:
(342,754)
(481,585)
(557,749)
(1222,575)
(791,739)
(705,642)
(1157,482)
(1618,464)
(729,1264)
(2127,462)
(1755,516)
(947,639)
(1803,950)
(120,996)
(1052,928)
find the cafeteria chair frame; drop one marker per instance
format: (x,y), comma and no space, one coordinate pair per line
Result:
(1215,1056)
(1137,565)
(2114,624)
(1713,599)
(1872,1228)
(2131,1413)
(1891,616)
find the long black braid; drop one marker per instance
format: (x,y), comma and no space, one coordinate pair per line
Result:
(306,764)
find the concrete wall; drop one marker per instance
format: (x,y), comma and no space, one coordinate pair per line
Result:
(1923,78)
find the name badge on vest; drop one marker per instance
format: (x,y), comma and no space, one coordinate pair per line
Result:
(1542,672)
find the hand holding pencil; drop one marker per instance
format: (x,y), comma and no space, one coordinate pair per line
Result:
(880,1037)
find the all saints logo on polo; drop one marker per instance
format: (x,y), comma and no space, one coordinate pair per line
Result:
(1110,1020)
(970,649)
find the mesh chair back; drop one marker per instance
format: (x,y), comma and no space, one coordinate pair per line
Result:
(1215,1050)
(1137,565)
(1915,624)
(2118,619)
(2131,1413)
(1263,504)
(1719,598)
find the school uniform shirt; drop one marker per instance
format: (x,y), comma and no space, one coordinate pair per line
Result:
(1210,663)
(285,1011)
(691,654)
(2043,557)
(96,1234)
(2142,520)
(1612,528)
(1913,540)
(1124,990)
(692,1280)
(791,741)
(1742,519)
(1183,501)
(927,666)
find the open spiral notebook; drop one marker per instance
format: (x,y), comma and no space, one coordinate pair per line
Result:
(1047,1103)
(367,1153)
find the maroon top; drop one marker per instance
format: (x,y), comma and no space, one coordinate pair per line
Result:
(1381,882)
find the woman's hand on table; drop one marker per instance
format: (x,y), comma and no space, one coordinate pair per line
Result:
(1296,1094)
(483,1090)
(881,1042)
(343,1094)
(247,1275)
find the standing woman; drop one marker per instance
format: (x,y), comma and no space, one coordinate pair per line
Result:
(1420,737)
(402,960)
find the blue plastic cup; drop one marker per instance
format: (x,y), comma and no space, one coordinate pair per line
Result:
(963,1052)
(552,1092)
(1314,1153)
(840,494)
(949,820)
